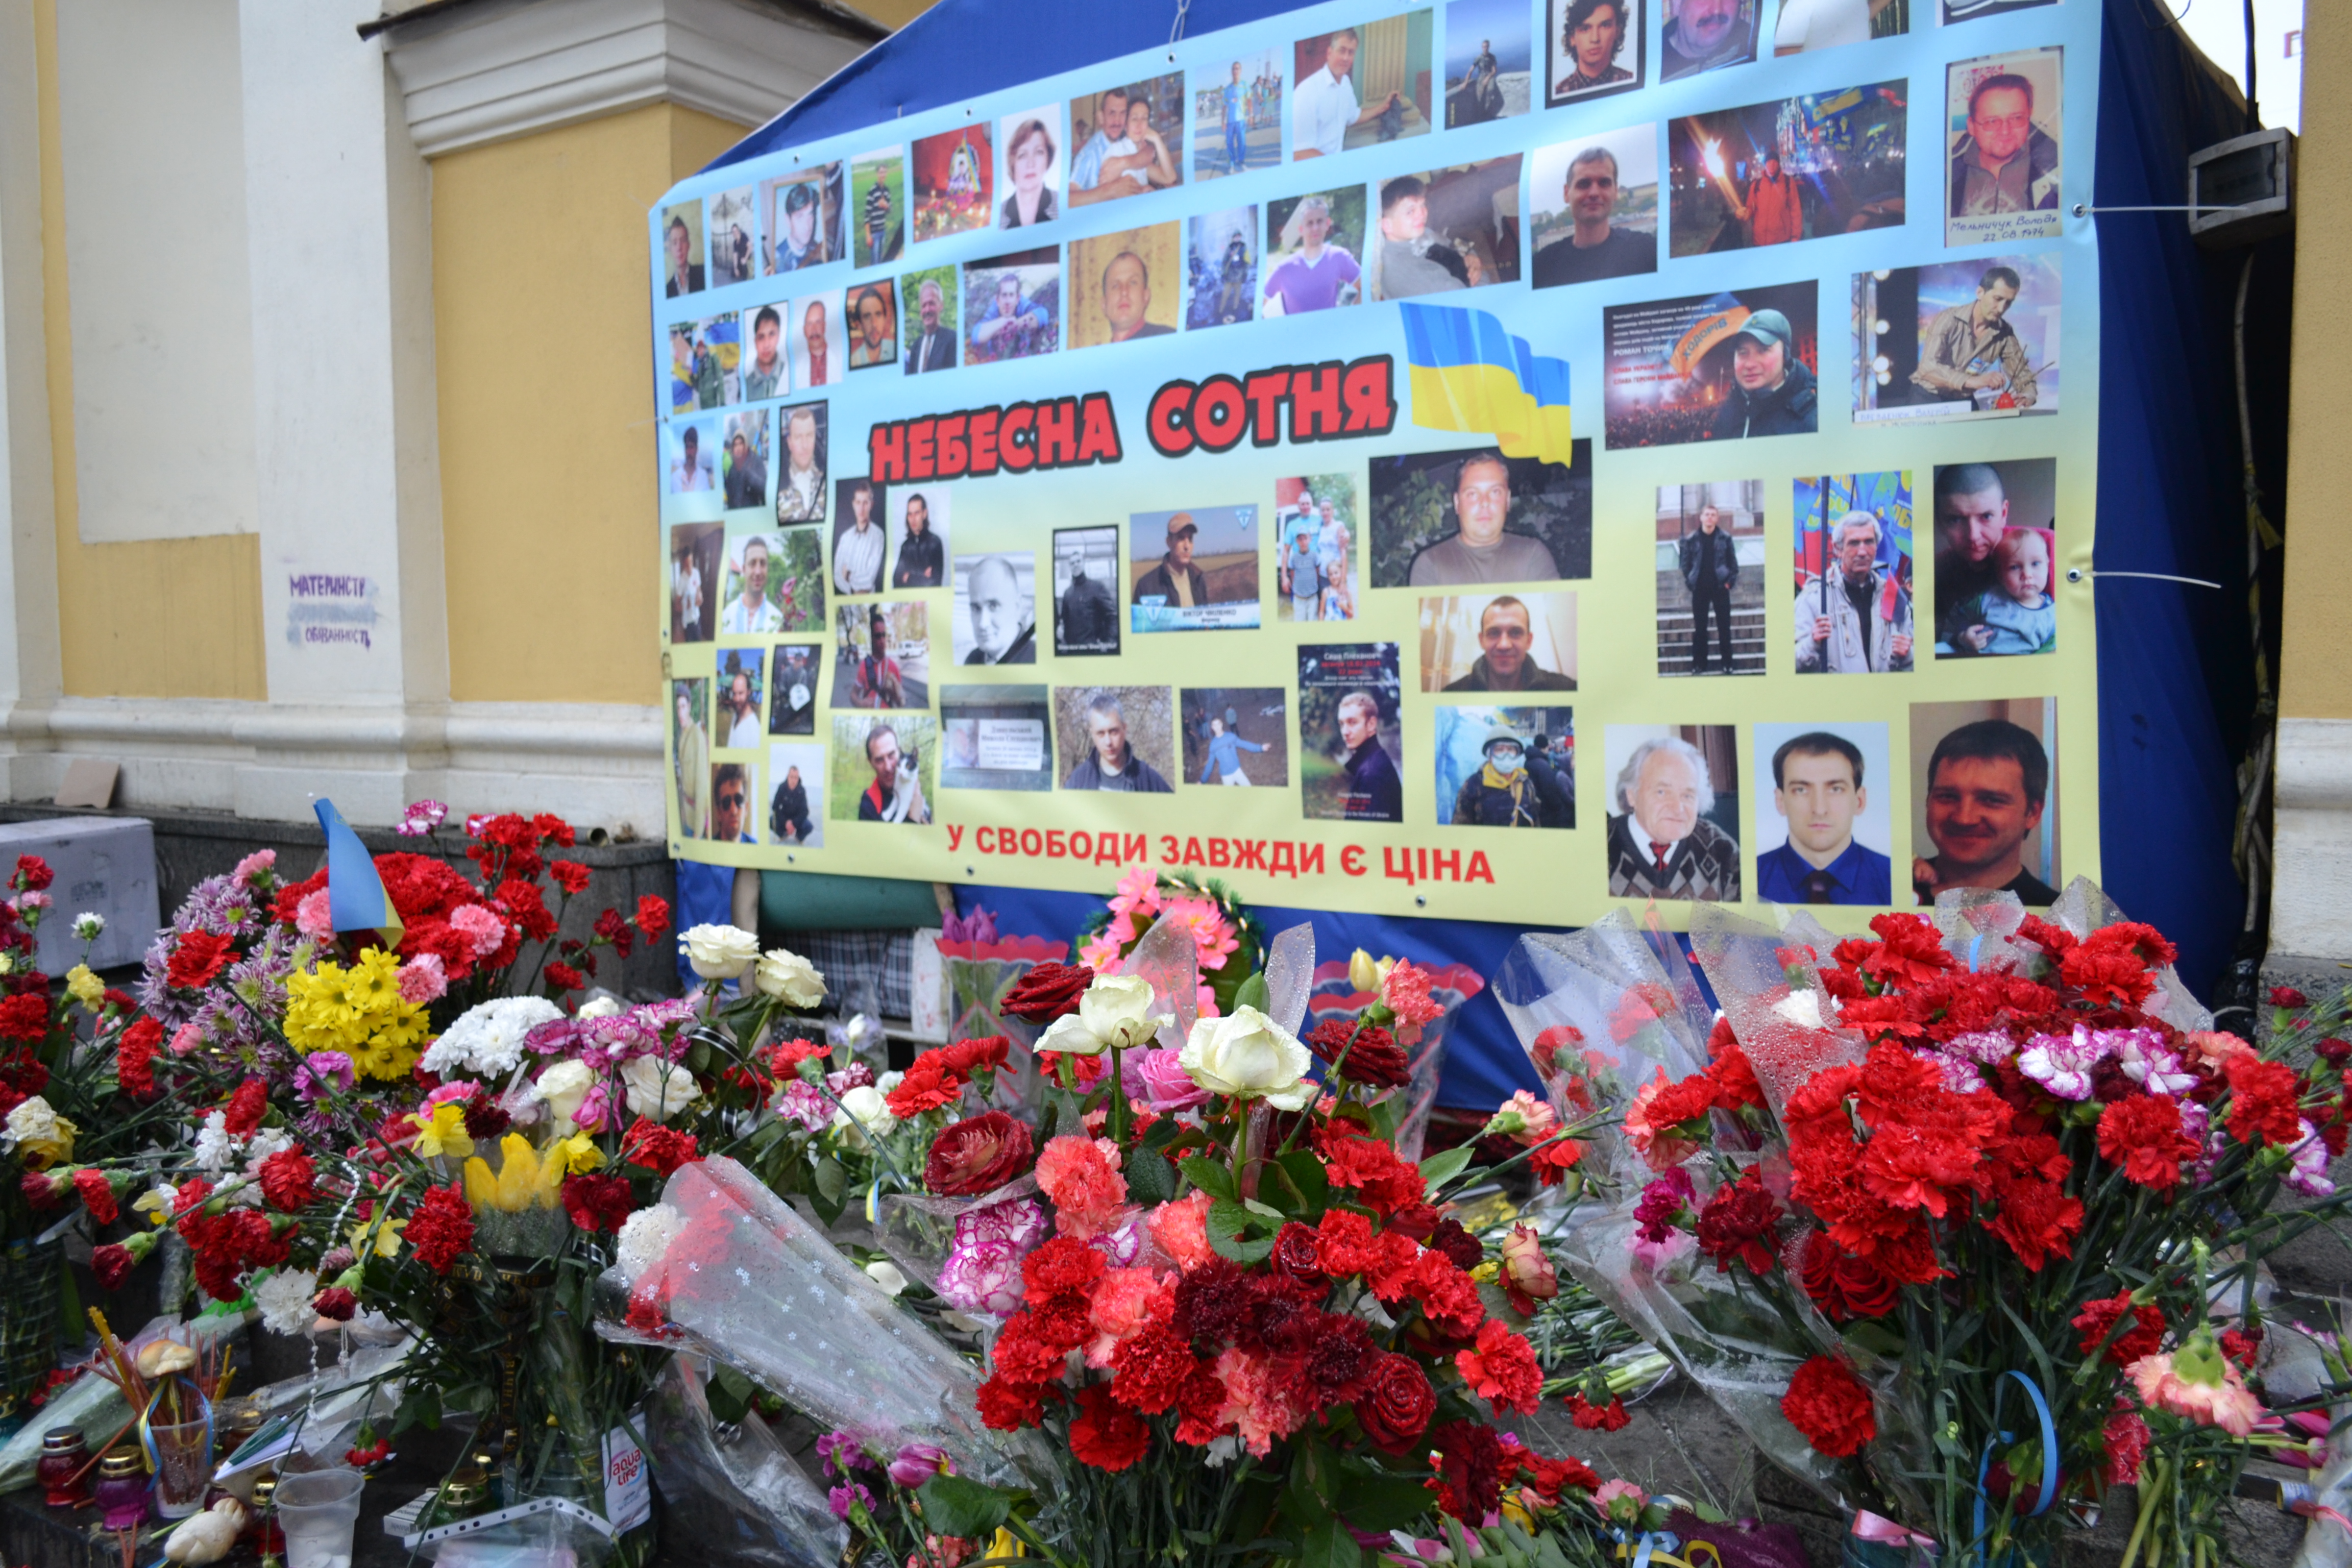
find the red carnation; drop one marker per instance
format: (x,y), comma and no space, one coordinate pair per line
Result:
(1354,1159)
(1909,950)
(977,1154)
(486,1118)
(289,1180)
(1742,1223)
(1549,1477)
(1049,991)
(569,875)
(597,1202)
(522,901)
(246,1107)
(653,917)
(2281,995)
(1469,1480)
(615,930)
(1827,1404)
(2243,1345)
(45,1189)
(112,1264)
(1592,1417)
(1734,1079)
(336,1304)
(1008,1406)
(441,1229)
(26,1016)
(33,873)
(2142,1133)
(97,1194)
(1396,1404)
(658,1149)
(1501,1369)
(926,1086)
(1150,1368)
(135,1058)
(1555,1160)
(1104,1433)
(2145,1337)
(988,1053)
(200,955)
(563,977)
(1842,1286)
(2262,1101)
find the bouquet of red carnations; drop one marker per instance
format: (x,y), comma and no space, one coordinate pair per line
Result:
(1226,1313)
(1940,1221)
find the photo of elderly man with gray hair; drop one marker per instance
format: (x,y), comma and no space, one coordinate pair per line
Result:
(1662,844)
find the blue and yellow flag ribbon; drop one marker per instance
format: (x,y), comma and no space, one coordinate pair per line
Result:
(1468,373)
(355,896)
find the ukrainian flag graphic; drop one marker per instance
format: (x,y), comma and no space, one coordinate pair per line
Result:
(1469,374)
(355,896)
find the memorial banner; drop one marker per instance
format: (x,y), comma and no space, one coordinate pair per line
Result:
(1311,449)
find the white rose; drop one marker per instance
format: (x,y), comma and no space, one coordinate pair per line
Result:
(645,1237)
(1250,1055)
(884,1273)
(32,1120)
(718,952)
(1117,1010)
(564,1086)
(601,1007)
(865,1106)
(1070,1038)
(658,1090)
(789,978)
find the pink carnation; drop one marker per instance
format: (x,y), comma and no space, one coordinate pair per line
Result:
(1537,1118)
(422,979)
(1181,1230)
(1082,1176)
(802,1102)
(186,1039)
(983,1271)
(253,865)
(2228,1404)
(1264,1406)
(313,919)
(1404,990)
(480,926)
(1125,1301)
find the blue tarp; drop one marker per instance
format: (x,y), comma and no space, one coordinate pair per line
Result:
(2174,660)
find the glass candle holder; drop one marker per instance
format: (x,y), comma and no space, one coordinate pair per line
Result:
(63,1468)
(121,1490)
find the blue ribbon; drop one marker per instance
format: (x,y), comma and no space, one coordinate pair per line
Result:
(1975,943)
(2049,1448)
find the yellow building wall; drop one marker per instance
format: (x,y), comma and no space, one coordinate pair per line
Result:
(176,617)
(2314,678)
(548,481)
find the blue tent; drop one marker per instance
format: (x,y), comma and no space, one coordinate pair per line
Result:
(2176,665)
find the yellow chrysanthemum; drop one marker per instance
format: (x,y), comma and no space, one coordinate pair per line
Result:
(357,1011)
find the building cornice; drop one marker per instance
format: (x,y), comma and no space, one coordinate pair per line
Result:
(492,70)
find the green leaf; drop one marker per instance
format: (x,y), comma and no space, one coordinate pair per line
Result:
(1229,1224)
(957,1505)
(1440,1168)
(698,1057)
(1151,1179)
(1210,1176)
(1305,1169)
(1266,1212)
(1383,1501)
(1250,993)
(1328,1545)
(832,1181)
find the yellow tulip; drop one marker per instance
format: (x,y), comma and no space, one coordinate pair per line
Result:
(1514,1510)
(481,1187)
(1006,1544)
(1363,972)
(518,1179)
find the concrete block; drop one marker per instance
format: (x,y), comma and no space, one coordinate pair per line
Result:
(104,865)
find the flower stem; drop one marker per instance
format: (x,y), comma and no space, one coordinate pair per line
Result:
(1117,1100)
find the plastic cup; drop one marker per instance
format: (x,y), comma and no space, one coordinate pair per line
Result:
(184,1470)
(317,1509)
